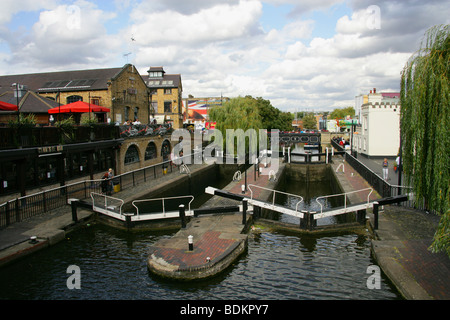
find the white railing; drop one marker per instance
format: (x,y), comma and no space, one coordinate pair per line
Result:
(107,205)
(163,200)
(345,197)
(274,193)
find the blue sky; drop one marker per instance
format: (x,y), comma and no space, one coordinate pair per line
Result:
(300,55)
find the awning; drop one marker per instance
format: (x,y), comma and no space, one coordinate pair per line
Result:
(5,106)
(78,107)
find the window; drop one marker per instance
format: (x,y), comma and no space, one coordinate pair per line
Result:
(71,99)
(167,91)
(136,112)
(155,74)
(150,152)
(127,113)
(132,155)
(95,101)
(167,106)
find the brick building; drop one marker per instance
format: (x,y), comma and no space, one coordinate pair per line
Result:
(166,96)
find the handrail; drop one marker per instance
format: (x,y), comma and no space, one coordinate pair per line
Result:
(275,191)
(163,202)
(345,198)
(106,200)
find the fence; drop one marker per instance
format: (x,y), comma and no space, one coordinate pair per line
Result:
(23,208)
(384,188)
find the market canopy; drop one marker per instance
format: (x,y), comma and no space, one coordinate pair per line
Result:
(78,107)
(5,106)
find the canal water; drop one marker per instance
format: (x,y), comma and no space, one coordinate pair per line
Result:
(276,266)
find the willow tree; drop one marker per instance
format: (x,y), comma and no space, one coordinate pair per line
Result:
(237,113)
(425,123)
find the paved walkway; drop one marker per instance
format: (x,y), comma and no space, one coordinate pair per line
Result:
(400,248)
(402,241)
(218,239)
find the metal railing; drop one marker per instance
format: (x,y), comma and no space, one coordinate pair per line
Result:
(25,207)
(107,203)
(384,188)
(274,194)
(345,197)
(163,203)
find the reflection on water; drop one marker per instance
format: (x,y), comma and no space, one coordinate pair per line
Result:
(276,266)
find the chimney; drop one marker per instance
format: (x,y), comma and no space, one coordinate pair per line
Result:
(20,90)
(374,90)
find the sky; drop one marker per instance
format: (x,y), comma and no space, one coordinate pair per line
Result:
(302,55)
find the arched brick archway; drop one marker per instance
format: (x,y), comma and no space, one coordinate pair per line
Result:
(145,147)
(166,149)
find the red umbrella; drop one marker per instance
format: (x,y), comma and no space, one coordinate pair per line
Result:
(7,106)
(78,107)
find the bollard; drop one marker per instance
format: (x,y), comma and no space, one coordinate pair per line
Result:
(243,188)
(191,242)
(182,216)
(244,211)
(375,215)
(74,205)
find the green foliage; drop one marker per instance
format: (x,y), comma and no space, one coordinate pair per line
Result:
(341,113)
(249,113)
(309,121)
(425,123)
(65,123)
(28,120)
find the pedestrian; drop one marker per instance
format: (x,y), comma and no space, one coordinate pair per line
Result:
(104,183)
(110,182)
(385,169)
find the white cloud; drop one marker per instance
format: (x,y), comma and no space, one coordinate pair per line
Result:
(223,22)
(220,47)
(10,7)
(64,37)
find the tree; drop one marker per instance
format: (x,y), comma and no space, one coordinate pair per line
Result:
(309,121)
(237,113)
(341,113)
(273,118)
(425,123)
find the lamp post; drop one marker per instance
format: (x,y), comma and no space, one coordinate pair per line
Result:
(17,100)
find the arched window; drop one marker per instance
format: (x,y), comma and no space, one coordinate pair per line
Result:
(150,152)
(132,155)
(165,150)
(73,98)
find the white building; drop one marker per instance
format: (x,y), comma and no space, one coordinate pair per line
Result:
(378,134)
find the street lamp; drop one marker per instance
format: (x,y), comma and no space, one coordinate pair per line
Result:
(17,100)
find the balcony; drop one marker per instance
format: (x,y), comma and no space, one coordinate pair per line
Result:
(27,137)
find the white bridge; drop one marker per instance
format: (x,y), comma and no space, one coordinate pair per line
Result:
(112,207)
(347,208)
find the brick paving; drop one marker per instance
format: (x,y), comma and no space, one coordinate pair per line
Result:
(403,238)
(215,236)
(430,270)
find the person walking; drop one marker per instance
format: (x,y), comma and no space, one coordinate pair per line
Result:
(104,183)
(385,169)
(110,182)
